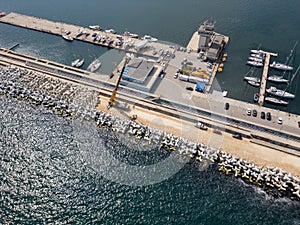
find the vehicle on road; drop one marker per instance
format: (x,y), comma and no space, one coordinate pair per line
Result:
(189,88)
(226,105)
(262,115)
(201,126)
(237,136)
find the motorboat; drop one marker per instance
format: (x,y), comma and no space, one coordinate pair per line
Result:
(276,101)
(255,51)
(112,31)
(126,33)
(254,63)
(149,38)
(255,79)
(281,66)
(95,27)
(74,63)
(277,79)
(259,55)
(279,93)
(79,63)
(67,37)
(95,65)
(253,83)
(255,97)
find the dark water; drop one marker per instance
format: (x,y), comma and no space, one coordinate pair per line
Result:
(54,170)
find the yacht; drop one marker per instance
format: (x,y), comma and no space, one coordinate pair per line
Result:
(281,66)
(255,51)
(255,59)
(95,65)
(277,79)
(126,33)
(276,101)
(254,63)
(279,93)
(112,31)
(255,79)
(149,38)
(79,63)
(74,63)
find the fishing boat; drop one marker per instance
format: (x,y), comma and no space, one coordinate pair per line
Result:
(253,83)
(277,79)
(67,37)
(276,101)
(279,93)
(254,63)
(95,65)
(281,66)
(254,79)
(255,97)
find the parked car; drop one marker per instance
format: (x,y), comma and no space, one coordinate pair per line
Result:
(189,88)
(237,136)
(226,105)
(254,113)
(269,117)
(175,75)
(299,124)
(262,115)
(279,121)
(200,126)
(249,112)
(216,131)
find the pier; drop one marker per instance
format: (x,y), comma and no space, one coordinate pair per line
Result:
(264,76)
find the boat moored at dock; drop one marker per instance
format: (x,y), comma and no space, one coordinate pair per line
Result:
(277,79)
(276,101)
(254,79)
(281,66)
(254,63)
(95,65)
(280,93)
(67,37)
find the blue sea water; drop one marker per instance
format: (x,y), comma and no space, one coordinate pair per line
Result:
(45,175)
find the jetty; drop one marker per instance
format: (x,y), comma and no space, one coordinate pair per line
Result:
(262,89)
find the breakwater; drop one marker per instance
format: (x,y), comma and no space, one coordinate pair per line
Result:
(77,102)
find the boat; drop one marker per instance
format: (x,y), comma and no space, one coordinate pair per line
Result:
(112,31)
(260,55)
(2,14)
(253,83)
(74,63)
(277,79)
(276,101)
(255,97)
(95,65)
(280,93)
(255,51)
(67,37)
(281,66)
(255,59)
(95,27)
(149,38)
(254,79)
(254,63)
(80,63)
(126,33)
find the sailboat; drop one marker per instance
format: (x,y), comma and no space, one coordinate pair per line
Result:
(276,101)
(283,93)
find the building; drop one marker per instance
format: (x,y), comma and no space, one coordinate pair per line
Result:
(205,31)
(216,47)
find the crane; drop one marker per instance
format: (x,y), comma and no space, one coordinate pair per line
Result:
(113,95)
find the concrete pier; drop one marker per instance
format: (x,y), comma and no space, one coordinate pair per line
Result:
(264,77)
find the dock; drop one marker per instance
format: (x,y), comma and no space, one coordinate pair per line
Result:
(262,89)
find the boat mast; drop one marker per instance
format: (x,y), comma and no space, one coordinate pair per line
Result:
(292,78)
(289,57)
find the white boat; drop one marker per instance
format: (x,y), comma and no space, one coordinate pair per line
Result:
(95,65)
(254,63)
(255,59)
(254,79)
(126,33)
(279,93)
(281,66)
(112,31)
(259,56)
(74,63)
(276,101)
(95,27)
(149,38)
(67,37)
(277,79)
(253,83)
(80,63)
(255,51)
